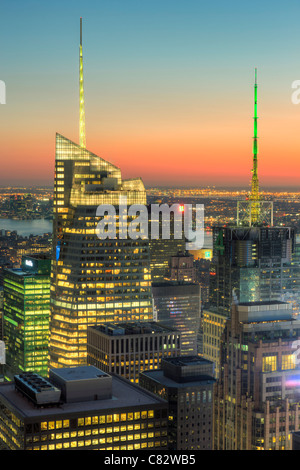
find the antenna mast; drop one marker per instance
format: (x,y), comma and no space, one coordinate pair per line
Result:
(254,196)
(82,138)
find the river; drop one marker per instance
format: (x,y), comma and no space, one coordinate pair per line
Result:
(27,227)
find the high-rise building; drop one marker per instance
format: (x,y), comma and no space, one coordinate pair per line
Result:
(163,248)
(181,268)
(254,258)
(93,279)
(26,316)
(187,383)
(257,399)
(129,348)
(1,311)
(80,408)
(255,261)
(178,305)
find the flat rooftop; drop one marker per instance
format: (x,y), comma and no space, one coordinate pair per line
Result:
(133,328)
(250,312)
(160,377)
(79,373)
(124,394)
(265,304)
(187,361)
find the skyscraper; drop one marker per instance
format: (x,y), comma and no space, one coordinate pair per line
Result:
(129,348)
(253,257)
(257,395)
(178,305)
(26,316)
(163,248)
(187,383)
(93,280)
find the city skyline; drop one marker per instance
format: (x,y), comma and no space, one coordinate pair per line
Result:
(158,86)
(149,227)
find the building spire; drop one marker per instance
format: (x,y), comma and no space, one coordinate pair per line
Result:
(254,196)
(254,211)
(82,138)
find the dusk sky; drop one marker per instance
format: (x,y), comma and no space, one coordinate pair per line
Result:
(168,88)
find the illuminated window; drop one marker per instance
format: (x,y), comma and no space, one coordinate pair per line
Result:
(288,361)
(269,363)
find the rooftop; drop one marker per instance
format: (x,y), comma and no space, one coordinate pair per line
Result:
(124,394)
(160,377)
(183,361)
(134,328)
(79,373)
(250,312)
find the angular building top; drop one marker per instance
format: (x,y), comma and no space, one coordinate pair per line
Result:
(99,279)
(90,180)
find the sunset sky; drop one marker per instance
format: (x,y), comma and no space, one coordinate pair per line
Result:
(168,88)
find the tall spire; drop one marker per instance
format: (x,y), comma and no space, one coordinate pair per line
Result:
(254,211)
(82,138)
(254,196)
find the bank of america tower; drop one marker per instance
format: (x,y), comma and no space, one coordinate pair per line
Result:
(93,280)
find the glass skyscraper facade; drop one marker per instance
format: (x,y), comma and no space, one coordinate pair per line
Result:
(255,261)
(178,305)
(93,280)
(26,316)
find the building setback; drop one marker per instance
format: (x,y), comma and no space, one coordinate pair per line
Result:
(129,348)
(80,408)
(187,384)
